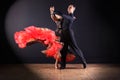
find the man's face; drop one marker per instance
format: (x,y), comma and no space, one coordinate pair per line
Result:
(71,9)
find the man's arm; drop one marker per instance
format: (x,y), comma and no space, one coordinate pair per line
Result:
(71,10)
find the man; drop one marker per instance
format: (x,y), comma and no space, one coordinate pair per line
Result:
(64,24)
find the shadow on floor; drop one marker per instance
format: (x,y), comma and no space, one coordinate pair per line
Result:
(17,72)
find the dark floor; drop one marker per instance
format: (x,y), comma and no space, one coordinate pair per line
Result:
(48,72)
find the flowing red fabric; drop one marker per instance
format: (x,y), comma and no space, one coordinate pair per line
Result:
(70,57)
(43,35)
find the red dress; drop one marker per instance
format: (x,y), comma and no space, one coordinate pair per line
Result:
(47,37)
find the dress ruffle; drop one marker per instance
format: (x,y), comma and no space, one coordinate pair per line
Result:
(47,37)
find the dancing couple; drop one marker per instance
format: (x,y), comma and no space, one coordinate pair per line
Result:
(60,43)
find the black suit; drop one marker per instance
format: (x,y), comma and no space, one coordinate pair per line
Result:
(67,37)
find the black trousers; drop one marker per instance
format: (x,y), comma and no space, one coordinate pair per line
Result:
(67,37)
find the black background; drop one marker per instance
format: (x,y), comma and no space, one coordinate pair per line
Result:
(100,39)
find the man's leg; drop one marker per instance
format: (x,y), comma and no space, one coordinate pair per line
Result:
(79,53)
(63,56)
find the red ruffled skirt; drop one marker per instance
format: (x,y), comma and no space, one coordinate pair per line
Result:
(47,37)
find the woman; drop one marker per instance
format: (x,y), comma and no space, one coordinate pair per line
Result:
(33,34)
